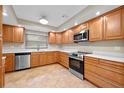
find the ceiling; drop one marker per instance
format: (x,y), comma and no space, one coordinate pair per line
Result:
(54,13)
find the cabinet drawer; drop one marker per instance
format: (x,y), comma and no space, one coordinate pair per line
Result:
(99,81)
(91,60)
(110,75)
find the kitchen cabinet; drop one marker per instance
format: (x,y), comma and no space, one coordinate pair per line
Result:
(9,62)
(1,18)
(70,36)
(13,34)
(104,73)
(65,37)
(43,58)
(52,38)
(35,59)
(80,27)
(64,59)
(2,76)
(7,33)
(18,34)
(58,38)
(113,25)
(96,29)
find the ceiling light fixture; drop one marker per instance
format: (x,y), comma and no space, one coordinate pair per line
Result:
(97,13)
(43,20)
(5,14)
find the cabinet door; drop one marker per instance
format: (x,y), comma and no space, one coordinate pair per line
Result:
(1,8)
(113,23)
(35,59)
(50,58)
(43,59)
(58,38)
(96,29)
(70,36)
(9,62)
(52,38)
(18,35)
(65,38)
(1,51)
(2,76)
(7,33)
(77,29)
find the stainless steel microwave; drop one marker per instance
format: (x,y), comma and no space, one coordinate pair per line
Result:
(82,36)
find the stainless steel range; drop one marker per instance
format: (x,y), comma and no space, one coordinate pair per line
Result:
(76,63)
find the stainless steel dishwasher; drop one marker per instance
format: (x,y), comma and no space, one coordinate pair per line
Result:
(22,61)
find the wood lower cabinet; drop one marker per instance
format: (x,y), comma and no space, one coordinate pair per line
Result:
(2,76)
(43,58)
(64,59)
(96,29)
(104,73)
(13,34)
(113,25)
(35,59)
(9,62)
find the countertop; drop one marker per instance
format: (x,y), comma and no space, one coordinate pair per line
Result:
(42,50)
(113,57)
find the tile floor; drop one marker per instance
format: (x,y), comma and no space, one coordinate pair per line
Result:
(50,76)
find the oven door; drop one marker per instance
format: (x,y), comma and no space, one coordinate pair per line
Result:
(76,65)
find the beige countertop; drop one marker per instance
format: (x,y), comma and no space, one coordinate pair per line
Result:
(106,57)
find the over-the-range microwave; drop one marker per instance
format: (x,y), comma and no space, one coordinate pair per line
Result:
(82,36)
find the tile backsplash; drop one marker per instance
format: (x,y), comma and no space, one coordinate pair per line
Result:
(105,46)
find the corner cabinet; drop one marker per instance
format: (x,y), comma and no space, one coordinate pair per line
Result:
(96,29)
(13,34)
(113,25)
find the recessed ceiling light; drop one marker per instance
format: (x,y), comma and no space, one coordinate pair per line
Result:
(75,23)
(5,14)
(43,21)
(97,13)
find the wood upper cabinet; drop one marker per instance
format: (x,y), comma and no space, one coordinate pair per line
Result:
(13,34)
(65,37)
(96,29)
(9,62)
(52,38)
(18,34)
(80,27)
(70,36)
(35,59)
(7,33)
(58,38)
(113,25)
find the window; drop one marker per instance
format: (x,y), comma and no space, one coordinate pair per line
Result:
(36,39)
